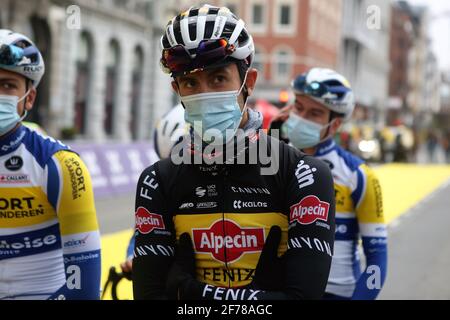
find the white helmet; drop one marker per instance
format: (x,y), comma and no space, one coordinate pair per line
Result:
(169,131)
(19,54)
(186,34)
(327,87)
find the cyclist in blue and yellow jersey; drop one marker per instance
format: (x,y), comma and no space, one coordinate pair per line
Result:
(323,101)
(49,238)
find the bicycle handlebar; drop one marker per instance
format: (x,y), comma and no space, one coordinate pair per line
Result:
(114,279)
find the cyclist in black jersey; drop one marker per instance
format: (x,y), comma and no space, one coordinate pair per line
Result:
(223,228)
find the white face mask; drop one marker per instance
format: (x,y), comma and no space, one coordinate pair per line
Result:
(215,116)
(9,117)
(303,133)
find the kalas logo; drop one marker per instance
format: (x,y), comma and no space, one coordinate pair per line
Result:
(146,222)
(229,247)
(308,210)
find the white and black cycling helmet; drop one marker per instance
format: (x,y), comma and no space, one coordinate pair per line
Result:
(19,54)
(204,37)
(169,131)
(327,87)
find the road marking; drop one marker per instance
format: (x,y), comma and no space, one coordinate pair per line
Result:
(418,206)
(404,185)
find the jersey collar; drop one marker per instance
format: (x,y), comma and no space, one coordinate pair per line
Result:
(325,147)
(11,141)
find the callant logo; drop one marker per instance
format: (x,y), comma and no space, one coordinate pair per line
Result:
(146,222)
(309,210)
(226,241)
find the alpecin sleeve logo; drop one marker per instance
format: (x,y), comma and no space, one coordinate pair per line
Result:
(146,221)
(226,241)
(309,210)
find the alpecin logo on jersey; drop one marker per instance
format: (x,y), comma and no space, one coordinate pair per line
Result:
(308,210)
(146,222)
(231,246)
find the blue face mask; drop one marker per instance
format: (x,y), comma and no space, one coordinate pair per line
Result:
(303,133)
(215,116)
(9,117)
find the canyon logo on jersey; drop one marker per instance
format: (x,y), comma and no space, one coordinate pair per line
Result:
(226,241)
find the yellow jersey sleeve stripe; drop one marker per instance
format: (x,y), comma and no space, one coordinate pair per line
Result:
(370,208)
(76,206)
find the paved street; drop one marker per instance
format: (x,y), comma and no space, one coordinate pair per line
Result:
(115,213)
(419,251)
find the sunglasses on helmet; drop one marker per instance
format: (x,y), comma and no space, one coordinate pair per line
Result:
(315,89)
(177,59)
(10,55)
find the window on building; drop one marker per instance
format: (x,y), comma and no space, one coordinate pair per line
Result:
(112,61)
(283,65)
(285,15)
(358,13)
(82,81)
(284,18)
(136,88)
(257,14)
(352,57)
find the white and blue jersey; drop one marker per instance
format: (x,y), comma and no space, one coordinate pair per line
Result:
(359,217)
(49,237)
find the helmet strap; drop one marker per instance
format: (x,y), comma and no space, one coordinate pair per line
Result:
(327,133)
(24,98)
(243,70)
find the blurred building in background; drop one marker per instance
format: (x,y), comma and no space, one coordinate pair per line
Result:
(102,71)
(290,37)
(444,114)
(401,42)
(424,75)
(414,78)
(364,56)
(103,80)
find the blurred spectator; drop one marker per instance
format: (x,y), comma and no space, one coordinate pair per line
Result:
(432,142)
(400,152)
(415,146)
(446,145)
(382,142)
(343,139)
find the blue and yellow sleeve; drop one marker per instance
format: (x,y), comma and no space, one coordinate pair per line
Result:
(70,192)
(368,202)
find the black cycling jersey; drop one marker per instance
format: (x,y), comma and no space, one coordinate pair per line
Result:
(228,211)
